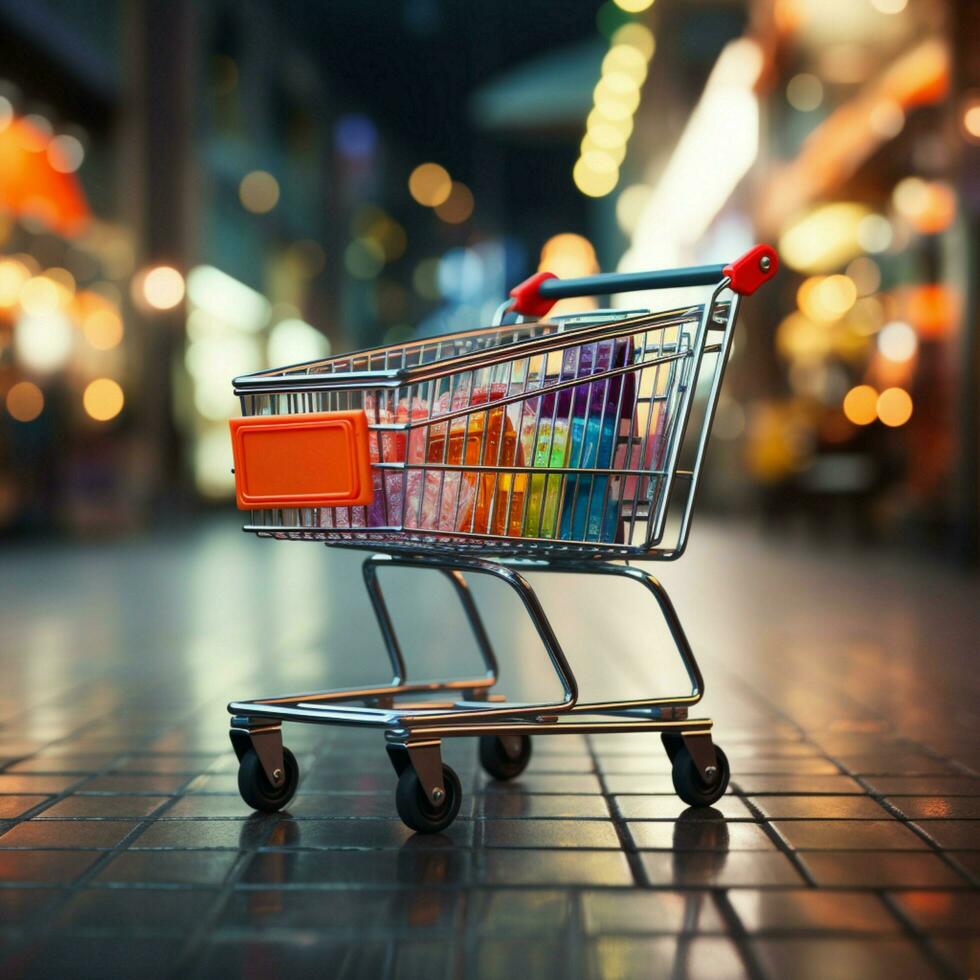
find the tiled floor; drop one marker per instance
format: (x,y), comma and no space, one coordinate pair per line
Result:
(844,690)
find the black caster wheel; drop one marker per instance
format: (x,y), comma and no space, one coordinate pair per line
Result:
(498,763)
(419,812)
(690,785)
(673,743)
(255,787)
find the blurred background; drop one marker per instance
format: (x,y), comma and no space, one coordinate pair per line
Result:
(191,191)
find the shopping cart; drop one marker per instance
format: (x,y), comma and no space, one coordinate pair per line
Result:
(537,445)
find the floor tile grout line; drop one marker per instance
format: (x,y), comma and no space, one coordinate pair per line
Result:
(206,927)
(627,845)
(920,937)
(738,934)
(777,839)
(936,848)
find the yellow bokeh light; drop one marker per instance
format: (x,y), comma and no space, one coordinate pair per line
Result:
(616,95)
(971,119)
(894,407)
(637,36)
(103,399)
(626,59)
(25,401)
(568,256)
(634,6)
(616,152)
(103,329)
(259,191)
(40,295)
(430,185)
(458,206)
(595,182)
(597,121)
(606,136)
(861,405)
(826,297)
(799,338)
(13,275)
(163,287)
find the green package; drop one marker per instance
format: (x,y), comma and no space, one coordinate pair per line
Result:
(545,491)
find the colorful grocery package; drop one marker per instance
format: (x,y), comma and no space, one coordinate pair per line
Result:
(451,499)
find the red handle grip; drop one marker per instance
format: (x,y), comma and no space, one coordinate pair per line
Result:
(756,266)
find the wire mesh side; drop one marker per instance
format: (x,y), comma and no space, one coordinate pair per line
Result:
(559,451)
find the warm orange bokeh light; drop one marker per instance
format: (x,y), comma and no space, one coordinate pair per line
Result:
(103,399)
(894,407)
(861,405)
(31,187)
(25,401)
(932,310)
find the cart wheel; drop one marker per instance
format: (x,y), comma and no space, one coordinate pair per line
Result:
(418,811)
(255,787)
(496,761)
(672,744)
(690,785)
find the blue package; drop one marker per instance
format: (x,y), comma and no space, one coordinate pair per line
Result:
(592,443)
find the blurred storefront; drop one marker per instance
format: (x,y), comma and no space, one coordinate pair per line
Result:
(846,133)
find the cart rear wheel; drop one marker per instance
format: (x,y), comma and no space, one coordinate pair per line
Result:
(691,786)
(418,811)
(255,787)
(495,758)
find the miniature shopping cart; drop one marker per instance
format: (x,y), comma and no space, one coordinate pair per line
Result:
(560,445)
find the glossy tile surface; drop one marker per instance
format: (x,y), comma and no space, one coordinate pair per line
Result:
(848,844)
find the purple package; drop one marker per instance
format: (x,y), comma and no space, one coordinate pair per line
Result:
(589,359)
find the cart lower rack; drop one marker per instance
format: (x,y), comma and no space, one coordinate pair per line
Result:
(560,446)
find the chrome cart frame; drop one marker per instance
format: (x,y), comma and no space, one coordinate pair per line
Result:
(417,715)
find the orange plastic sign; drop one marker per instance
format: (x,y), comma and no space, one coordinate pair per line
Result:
(320,460)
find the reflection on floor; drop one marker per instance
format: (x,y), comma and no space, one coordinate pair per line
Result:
(843,688)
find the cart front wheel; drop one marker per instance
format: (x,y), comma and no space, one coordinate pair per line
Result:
(421,813)
(691,786)
(255,787)
(498,762)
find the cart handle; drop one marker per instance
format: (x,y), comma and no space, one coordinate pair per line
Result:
(537,295)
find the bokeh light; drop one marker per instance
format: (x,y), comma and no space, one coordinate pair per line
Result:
(458,206)
(874,233)
(25,401)
(43,342)
(364,258)
(103,399)
(894,407)
(861,405)
(430,184)
(162,287)
(826,297)
(40,295)
(103,329)
(568,256)
(66,153)
(634,6)
(804,92)
(637,36)
(897,341)
(13,275)
(259,191)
